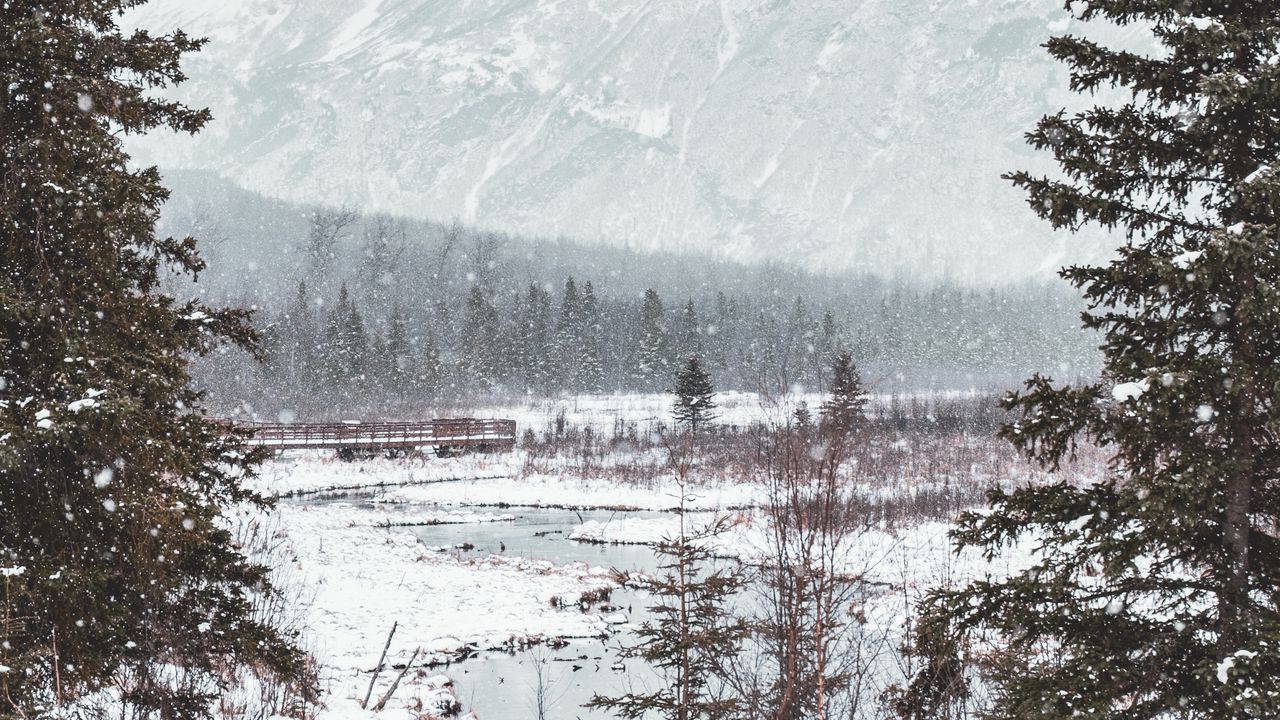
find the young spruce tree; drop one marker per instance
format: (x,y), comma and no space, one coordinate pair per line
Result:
(843,411)
(117,572)
(1153,594)
(695,397)
(691,635)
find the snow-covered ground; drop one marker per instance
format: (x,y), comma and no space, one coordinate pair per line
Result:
(549,491)
(357,567)
(603,413)
(305,472)
(483,481)
(897,557)
(355,577)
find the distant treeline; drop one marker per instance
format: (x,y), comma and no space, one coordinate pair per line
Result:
(401,325)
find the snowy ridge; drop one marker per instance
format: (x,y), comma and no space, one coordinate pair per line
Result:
(868,136)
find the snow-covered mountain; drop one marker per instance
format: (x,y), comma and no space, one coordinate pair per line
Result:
(836,133)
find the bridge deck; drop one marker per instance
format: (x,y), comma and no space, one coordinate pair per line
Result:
(453,433)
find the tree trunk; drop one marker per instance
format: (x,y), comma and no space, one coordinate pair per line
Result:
(1239,493)
(1239,490)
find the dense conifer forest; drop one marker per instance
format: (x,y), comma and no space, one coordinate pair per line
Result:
(384,314)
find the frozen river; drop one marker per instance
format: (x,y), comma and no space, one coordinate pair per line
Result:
(505,686)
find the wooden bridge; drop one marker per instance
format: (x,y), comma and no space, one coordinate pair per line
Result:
(446,437)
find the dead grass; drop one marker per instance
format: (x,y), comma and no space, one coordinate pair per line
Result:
(912,461)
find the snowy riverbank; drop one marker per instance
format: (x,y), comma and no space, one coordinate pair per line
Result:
(355,578)
(482,481)
(356,566)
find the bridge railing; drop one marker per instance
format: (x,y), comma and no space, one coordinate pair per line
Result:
(460,432)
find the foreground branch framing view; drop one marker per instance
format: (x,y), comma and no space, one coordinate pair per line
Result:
(575,359)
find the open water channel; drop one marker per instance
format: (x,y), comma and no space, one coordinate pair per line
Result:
(505,686)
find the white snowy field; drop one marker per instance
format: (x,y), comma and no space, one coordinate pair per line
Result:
(354,567)
(602,413)
(355,577)
(647,412)
(482,481)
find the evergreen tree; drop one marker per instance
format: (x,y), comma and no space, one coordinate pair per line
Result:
(803,420)
(569,338)
(652,362)
(429,378)
(301,338)
(478,356)
(357,344)
(118,573)
(592,327)
(398,353)
(346,345)
(843,411)
(893,334)
(764,356)
(722,340)
(331,352)
(442,324)
(826,346)
(1153,593)
(688,335)
(695,398)
(798,346)
(534,341)
(692,632)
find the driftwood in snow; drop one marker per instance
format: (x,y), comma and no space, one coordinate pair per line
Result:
(377,670)
(392,690)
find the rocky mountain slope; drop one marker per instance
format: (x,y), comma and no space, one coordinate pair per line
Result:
(861,134)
